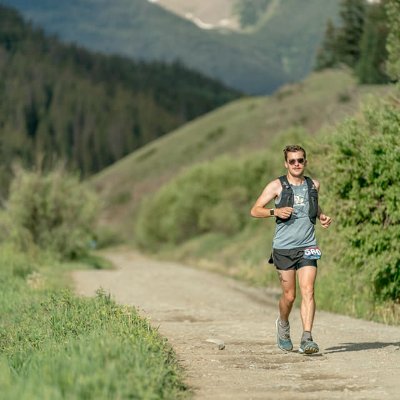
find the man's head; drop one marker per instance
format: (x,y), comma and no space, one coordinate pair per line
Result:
(295,160)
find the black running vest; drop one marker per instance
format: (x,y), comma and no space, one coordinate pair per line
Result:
(287,199)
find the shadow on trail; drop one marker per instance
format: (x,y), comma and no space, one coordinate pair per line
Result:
(361,346)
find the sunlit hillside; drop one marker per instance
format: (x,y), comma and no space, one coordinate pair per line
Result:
(239,128)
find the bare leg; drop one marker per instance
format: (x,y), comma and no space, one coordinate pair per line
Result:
(288,284)
(307,277)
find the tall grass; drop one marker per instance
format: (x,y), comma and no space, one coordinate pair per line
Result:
(54,345)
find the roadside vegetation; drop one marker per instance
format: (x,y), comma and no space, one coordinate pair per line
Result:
(53,344)
(205,214)
(205,210)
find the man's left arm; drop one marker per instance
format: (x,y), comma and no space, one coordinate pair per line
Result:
(323,218)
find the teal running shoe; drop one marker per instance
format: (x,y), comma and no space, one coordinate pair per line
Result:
(308,347)
(283,337)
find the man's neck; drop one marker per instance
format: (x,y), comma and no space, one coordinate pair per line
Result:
(295,180)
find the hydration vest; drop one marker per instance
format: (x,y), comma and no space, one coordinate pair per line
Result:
(287,199)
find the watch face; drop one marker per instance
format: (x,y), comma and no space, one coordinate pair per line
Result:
(271,212)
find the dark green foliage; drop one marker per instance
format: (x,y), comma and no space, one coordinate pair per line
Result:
(327,56)
(249,11)
(53,211)
(364,168)
(59,101)
(349,35)
(359,42)
(393,41)
(373,54)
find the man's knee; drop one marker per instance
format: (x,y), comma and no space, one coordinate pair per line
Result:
(307,292)
(289,296)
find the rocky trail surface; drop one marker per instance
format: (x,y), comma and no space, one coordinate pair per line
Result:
(197,310)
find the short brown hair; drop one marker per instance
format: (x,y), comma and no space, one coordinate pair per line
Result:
(292,148)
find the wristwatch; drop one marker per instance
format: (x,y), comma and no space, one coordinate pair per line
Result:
(271,212)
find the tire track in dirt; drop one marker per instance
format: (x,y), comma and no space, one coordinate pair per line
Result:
(358,359)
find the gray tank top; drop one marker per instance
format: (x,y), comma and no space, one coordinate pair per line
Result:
(298,231)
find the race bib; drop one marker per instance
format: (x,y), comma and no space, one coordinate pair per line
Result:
(312,253)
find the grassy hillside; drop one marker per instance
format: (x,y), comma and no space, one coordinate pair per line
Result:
(281,48)
(237,129)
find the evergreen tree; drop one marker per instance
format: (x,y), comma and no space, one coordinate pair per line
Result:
(327,53)
(373,53)
(352,15)
(393,40)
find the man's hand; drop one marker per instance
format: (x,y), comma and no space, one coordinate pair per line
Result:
(284,212)
(325,220)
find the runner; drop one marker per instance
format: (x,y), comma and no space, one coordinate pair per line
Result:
(295,250)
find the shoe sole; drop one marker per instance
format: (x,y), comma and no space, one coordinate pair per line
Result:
(309,351)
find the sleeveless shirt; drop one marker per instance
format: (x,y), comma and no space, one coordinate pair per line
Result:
(298,231)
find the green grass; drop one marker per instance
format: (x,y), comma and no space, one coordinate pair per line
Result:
(54,345)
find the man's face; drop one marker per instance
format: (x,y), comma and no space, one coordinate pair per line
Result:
(295,163)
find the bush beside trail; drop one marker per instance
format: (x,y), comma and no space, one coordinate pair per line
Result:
(208,198)
(53,211)
(361,168)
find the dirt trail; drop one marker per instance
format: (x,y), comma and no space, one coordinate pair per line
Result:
(358,359)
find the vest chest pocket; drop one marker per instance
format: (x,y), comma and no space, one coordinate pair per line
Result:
(313,194)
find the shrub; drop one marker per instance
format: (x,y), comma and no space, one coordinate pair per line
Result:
(362,170)
(53,211)
(213,197)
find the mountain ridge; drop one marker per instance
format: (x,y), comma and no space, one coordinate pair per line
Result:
(256,63)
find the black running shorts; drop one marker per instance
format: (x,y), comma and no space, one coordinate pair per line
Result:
(291,259)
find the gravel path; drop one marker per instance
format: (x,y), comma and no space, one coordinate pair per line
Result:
(358,359)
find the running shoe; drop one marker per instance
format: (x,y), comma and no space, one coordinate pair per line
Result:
(283,337)
(308,347)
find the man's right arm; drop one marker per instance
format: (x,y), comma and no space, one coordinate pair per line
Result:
(271,191)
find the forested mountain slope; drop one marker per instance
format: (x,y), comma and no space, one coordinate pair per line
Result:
(64,102)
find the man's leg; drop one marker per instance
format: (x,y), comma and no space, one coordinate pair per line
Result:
(307,275)
(288,285)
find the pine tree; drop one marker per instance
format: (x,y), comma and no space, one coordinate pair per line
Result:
(352,14)
(327,53)
(393,40)
(373,53)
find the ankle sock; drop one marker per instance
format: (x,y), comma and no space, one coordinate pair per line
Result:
(283,324)
(306,336)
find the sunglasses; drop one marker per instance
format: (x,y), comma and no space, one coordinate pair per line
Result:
(294,160)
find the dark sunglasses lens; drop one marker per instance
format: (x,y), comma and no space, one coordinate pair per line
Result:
(299,160)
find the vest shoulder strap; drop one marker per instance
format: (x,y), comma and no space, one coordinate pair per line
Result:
(284,182)
(310,183)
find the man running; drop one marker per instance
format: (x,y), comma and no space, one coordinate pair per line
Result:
(294,247)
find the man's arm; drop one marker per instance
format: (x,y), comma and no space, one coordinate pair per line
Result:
(324,219)
(271,191)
